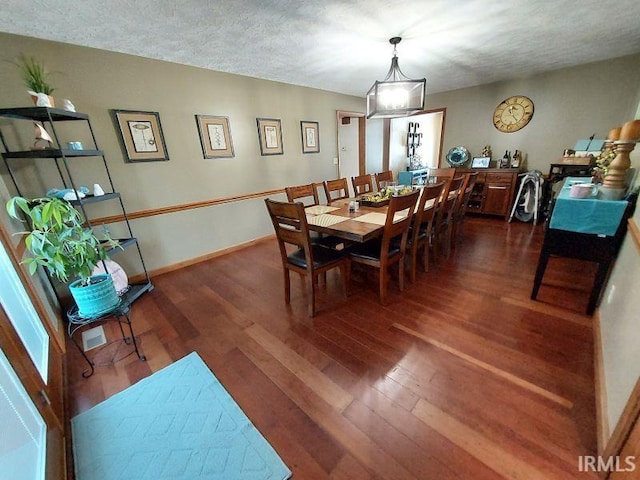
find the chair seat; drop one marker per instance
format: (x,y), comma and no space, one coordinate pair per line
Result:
(372,249)
(330,241)
(322,256)
(422,234)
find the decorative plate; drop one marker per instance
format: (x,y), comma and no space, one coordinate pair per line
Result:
(120,280)
(457,156)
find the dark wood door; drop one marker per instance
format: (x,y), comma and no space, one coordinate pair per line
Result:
(43,395)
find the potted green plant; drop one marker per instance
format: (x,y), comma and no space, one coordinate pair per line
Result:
(35,77)
(60,242)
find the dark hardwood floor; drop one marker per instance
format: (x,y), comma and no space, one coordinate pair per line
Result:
(459,377)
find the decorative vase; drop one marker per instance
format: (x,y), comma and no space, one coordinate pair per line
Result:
(97,298)
(42,100)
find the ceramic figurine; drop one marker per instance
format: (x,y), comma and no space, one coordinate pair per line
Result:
(97,190)
(43,139)
(68,106)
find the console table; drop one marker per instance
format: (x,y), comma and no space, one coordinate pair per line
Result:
(584,229)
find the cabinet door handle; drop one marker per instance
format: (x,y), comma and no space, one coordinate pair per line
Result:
(497,187)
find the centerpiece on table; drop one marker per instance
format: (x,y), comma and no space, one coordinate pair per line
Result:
(381,198)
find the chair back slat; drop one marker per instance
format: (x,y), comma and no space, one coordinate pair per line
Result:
(386,176)
(336,189)
(425,217)
(401,227)
(437,175)
(362,184)
(304,192)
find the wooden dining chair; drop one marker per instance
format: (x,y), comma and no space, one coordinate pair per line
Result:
(304,193)
(336,189)
(386,176)
(384,251)
(308,259)
(442,233)
(362,184)
(437,175)
(421,232)
(460,209)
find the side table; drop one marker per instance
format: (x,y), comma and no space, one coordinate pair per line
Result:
(584,229)
(121,314)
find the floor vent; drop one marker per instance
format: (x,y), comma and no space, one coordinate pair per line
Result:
(93,338)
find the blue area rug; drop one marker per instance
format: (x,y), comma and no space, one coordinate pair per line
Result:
(179,423)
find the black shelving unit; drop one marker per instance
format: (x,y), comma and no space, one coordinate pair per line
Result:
(63,159)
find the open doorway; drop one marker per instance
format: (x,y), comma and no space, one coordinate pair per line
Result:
(351,144)
(429,125)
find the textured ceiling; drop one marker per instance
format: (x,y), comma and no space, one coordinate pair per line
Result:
(342,46)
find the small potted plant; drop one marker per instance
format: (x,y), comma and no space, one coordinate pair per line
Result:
(61,243)
(35,77)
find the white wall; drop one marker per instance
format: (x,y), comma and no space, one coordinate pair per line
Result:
(620,323)
(349,150)
(374,136)
(430,125)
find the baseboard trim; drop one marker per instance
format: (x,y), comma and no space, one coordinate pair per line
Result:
(202,258)
(602,418)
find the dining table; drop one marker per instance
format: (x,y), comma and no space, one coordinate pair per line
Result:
(361,225)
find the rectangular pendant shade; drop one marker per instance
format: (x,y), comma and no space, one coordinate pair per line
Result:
(395,98)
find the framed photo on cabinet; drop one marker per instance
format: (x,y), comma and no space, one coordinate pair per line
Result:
(310,137)
(270,136)
(215,136)
(480,162)
(140,135)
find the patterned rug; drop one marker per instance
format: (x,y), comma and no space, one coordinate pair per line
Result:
(179,423)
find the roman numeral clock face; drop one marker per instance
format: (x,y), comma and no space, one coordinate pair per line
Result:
(513,114)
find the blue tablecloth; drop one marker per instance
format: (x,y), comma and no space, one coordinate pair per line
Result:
(586,215)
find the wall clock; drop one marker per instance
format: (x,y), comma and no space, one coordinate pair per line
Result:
(513,114)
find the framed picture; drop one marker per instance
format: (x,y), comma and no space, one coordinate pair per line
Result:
(270,136)
(480,162)
(215,136)
(140,135)
(310,137)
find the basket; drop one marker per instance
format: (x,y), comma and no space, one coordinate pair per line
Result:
(373,203)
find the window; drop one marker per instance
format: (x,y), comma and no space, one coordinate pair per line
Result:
(23,451)
(23,315)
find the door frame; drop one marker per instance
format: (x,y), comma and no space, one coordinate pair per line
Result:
(48,398)
(362,137)
(386,135)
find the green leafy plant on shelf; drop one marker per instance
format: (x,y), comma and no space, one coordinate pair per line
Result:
(59,240)
(34,74)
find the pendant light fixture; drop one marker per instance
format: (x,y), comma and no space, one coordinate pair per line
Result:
(397,95)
